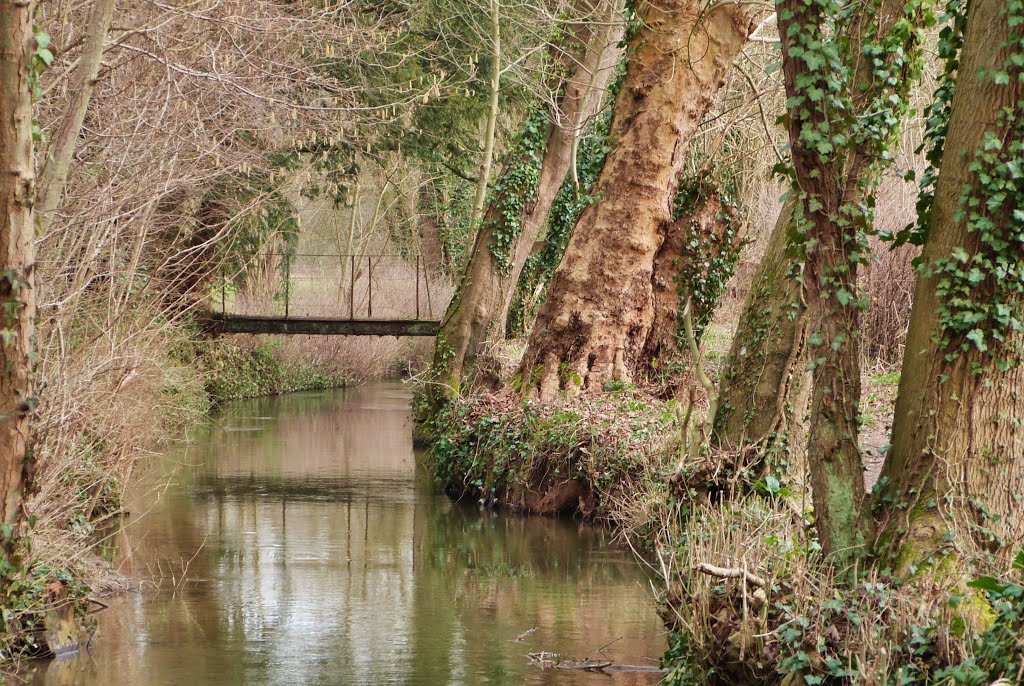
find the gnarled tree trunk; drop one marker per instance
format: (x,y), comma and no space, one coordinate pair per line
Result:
(957,457)
(512,222)
(594,324)
(17,254)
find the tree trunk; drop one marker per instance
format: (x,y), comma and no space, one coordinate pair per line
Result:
(594,324)
(487,156)
(517,214)
(957,458)
(761,381)
(17,254)
(836,168)
(59,155)
(694,262)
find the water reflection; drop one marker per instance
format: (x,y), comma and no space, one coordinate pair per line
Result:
(301,546)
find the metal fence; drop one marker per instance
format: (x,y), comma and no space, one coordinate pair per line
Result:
(338,287)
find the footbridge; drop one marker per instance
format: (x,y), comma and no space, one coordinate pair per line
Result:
(330,295)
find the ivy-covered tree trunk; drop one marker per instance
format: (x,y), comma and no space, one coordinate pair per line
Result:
(762,389)
(957,457)
(533,172)
(694,262)
(594,324)
(845,100)
(17,254)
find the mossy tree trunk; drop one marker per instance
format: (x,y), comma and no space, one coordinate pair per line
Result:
(17,256)
(599,310)
(761,406)
(844,104)
(957,459)
(533,172)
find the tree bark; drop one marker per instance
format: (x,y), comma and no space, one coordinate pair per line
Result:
(487,156)
(759,389)
(957,458)
(594,324)
(478,311)
(17,254)
(61,151)
(708,232)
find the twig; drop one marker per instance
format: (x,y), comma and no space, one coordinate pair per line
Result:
(526,633)
(731,573)
(616,640)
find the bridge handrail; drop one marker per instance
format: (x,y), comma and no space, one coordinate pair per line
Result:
(421,275)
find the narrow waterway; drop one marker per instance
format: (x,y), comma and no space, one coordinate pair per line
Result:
(297,542)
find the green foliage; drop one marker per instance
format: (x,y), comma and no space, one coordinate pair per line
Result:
(24,587)
(710,259)
(516,187)
(677,660)
(233,373)
(493,447)
(981,286)
(998,651)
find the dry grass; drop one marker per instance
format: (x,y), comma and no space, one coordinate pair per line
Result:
(804,619)
(115,391)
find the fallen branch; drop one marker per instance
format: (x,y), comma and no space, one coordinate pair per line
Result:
(731,573)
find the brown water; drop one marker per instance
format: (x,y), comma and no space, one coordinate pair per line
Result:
(301,544)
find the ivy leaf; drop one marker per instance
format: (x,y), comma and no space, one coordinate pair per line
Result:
(987,584)
(977,336)
(813,61)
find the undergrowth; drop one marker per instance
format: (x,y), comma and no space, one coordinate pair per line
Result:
(797,623)
(581,457)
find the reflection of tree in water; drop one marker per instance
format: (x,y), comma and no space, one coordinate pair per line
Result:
(328,559)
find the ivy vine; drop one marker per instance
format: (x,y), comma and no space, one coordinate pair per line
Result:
(566,208)
(847,98)
(516,187)
(980,287)
(714,254)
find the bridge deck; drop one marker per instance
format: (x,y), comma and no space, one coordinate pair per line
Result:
(219,323)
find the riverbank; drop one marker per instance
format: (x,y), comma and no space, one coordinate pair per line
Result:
(117,398)
(745,593)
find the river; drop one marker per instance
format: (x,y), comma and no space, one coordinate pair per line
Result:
(297,541)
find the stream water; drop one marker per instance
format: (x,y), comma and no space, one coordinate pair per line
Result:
(297,542)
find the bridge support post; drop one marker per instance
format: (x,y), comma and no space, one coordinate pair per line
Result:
(287,282)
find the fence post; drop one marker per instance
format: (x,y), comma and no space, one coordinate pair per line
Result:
(223,287)
(287,282)
(369,286)
(417,287)
(352,288)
